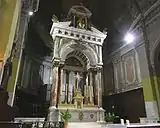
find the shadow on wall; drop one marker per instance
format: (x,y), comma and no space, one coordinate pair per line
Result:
(31,96)
(128,105)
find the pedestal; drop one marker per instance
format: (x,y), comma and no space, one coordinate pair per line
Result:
(151,113)
(151,109)
(54,114)
(101,115)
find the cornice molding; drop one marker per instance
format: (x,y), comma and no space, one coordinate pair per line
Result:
(62,29)
(148,15)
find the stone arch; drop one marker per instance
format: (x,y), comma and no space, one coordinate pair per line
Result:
(88,52)
(79,56)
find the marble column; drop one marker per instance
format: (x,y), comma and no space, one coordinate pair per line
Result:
(100,54)
(96,87)
(86,89)
(63,87)
(71,85)
(54,114)
(54,88)
(99,73)
(60,85)
(91,88)
(67,87)
(98,82)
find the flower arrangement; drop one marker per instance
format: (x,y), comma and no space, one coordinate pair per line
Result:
(110,117)
(65,116)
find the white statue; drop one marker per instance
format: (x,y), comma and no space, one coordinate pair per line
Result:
(78,77)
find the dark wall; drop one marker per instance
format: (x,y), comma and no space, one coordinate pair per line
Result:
(128,105)
(109,86)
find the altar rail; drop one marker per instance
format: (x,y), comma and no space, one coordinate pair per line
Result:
(31,124)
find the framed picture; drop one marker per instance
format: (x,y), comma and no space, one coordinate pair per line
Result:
(129,65)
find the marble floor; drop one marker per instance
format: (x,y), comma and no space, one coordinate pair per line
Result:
(98,125)
(85,125)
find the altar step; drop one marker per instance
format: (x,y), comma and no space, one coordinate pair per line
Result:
(84,125)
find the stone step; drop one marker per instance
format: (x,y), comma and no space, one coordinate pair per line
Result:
(84,125)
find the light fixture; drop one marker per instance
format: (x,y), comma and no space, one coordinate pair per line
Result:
(129,38)
(30,13)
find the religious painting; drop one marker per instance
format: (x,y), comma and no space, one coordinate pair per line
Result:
(129,70)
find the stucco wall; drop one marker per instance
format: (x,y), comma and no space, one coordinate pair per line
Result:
(138,52)
(8,22)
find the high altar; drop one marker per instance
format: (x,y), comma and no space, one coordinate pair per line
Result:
(77,67)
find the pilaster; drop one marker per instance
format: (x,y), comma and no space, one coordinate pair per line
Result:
(148,83)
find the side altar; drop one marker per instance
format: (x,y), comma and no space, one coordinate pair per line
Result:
(77,67)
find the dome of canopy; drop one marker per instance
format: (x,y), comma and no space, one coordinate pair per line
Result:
(79,10)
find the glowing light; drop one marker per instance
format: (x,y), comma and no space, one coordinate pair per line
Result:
(129,38)
(30,13)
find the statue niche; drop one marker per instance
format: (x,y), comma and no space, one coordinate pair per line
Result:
(80,16)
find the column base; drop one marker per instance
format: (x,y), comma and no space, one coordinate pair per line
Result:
(152,115)
(54,114)
(100,115)
(11,98)
(151,110)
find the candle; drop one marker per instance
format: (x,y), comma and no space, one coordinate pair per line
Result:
(122,121)
(127,122)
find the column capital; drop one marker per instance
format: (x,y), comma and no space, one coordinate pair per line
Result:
(94,69)
(56,62)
